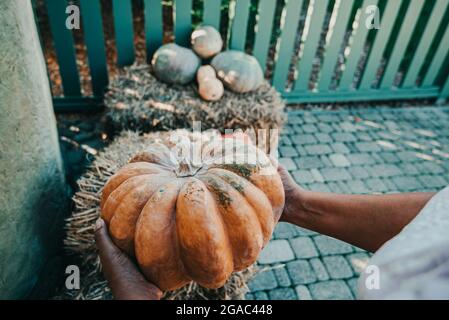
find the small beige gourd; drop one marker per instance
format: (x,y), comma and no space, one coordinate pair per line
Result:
(210,88)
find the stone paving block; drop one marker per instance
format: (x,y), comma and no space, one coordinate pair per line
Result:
(282,276)
(343,137)
(320,187)
(330,246)
(432,167)
(338,187)
(318,149)
(361,159)
(309,128)
(260,295)
(358,261)
(302,139)
(391,187)
(326,162)
(304,232)
(352,284)
(285,230)
(264,280)
(339,160)
(331,290)
(432,182)
(389,157)
(376,185)
(323,137)
(288,152)
(319,269)
(297,129)
(276,251)
(357,186)
(407,156)
(301,272)
(339,147)
(384,170)
(303,293)
(328,118)
(295,119)
(409,169)
(367,146)
(335,174)
(325,128)
(303,176)
(288,164)
(407,183)
(285,141)
(303,247)
(249,296)
(317,175)
(282,294)
(338,267)
(301,150)
(309,162)
(359,172)
(348,126)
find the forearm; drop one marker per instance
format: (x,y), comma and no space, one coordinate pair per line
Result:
(365,221)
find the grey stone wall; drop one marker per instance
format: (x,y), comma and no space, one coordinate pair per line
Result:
(33,195)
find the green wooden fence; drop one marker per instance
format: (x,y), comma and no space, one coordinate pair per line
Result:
(314,50)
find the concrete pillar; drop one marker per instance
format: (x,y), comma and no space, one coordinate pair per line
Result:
(33,193)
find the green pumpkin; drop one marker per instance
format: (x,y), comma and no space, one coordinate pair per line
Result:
(174,64)
(206,41)
(239,71)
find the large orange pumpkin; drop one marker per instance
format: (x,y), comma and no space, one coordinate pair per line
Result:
(184,220)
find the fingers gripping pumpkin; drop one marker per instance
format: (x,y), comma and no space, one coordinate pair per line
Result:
(184,220)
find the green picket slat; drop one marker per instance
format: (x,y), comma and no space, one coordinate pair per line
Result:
(124,31)
(445,91)
(305,65)
(64,46)
(212,12)
(357,46)
(426,41)
(405,34)
(287,42)
(334,46)
(437,61)
(264,28)
(153,26)
(239,25)
(382,37)
(183,21)
(94,39)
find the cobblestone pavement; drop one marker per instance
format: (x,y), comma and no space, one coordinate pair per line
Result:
(353,151)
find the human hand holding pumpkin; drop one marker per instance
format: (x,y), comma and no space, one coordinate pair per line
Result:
(124,278)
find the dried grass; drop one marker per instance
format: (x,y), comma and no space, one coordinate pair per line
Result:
(80,242)
(136,100)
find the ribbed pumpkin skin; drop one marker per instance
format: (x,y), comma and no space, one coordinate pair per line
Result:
(185,222)
(239,71)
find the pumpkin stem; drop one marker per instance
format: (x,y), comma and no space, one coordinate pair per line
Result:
(186,169)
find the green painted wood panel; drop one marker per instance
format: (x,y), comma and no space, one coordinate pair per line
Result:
(334,46)
(94,39)
(305,62)
(124,31)
(212,13)
(183,21)
(445,90)
(357,45)
(438,60)
(287,42)
(383,35)
(405,34)
(153,26)
(64,46)
(264,30)
(432,26)
(239,25)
